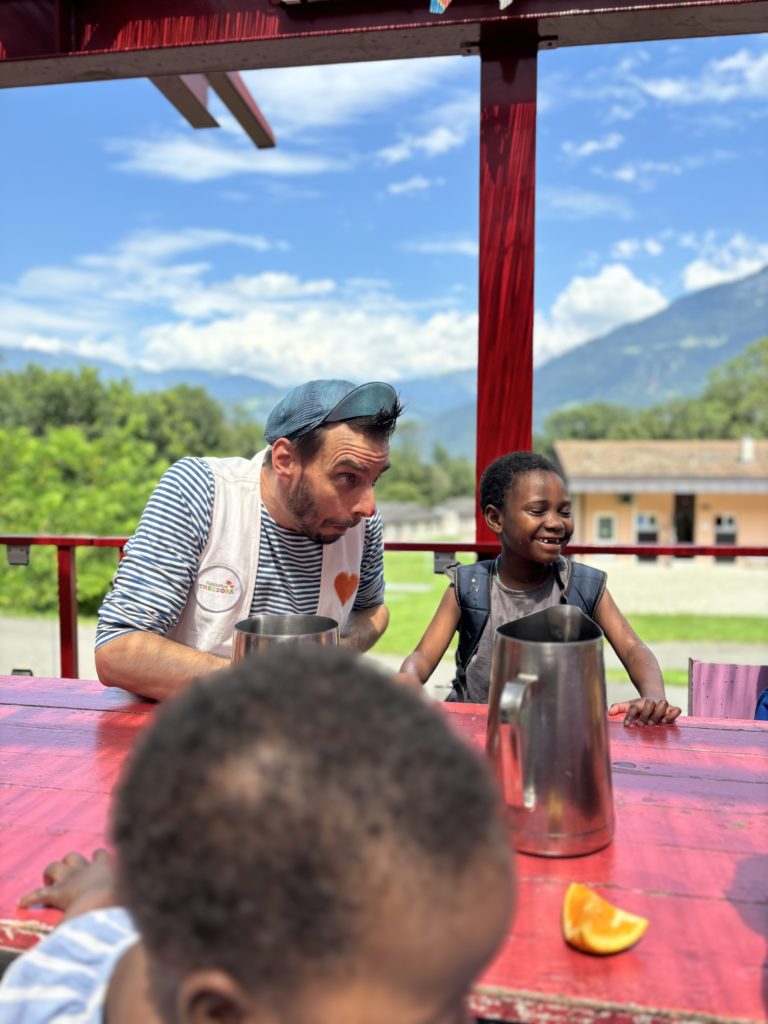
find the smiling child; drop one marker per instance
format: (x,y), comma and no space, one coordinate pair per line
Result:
(526,503)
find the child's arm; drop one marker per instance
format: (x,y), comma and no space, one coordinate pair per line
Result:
(433,645)
(75,885)
(642,668)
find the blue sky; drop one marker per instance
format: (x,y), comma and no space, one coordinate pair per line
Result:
(351,249)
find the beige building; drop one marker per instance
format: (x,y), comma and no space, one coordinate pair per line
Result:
(703,492)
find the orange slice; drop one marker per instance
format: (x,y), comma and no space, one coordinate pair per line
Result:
(594,925)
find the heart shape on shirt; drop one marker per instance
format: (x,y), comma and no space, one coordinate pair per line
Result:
(346,584)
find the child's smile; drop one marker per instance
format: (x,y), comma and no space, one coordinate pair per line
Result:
(536,522)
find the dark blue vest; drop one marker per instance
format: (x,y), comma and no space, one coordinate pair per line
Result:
(473,592)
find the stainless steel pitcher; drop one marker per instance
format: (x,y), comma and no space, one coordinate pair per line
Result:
(547,732)
(262,631)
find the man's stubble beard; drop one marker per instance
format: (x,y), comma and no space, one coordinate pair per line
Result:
(303,508)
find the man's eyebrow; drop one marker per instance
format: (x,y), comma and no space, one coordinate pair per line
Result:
(357,466)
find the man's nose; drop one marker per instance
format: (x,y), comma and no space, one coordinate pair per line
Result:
(365,505)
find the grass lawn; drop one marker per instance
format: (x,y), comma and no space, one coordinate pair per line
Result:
(413,593)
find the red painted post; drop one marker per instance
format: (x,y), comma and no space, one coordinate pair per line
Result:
(68,611)
(507,208)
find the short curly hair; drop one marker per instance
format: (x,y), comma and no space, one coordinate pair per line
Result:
(503,473)
(271,805)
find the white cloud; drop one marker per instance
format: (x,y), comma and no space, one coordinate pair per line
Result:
(643,173)
(446,247)
(741,76)
(418,183)
(433,143)
(296,100)
(628,248)
(719,262)
(285,343)
(592,306)
(144,302)
(449,126)
(592,146)
(579,204)
(191,159)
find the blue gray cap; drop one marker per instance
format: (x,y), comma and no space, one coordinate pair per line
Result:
(326,401)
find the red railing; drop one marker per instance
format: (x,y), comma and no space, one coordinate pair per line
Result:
(18,553)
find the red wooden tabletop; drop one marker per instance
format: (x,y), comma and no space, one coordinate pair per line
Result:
(690,853)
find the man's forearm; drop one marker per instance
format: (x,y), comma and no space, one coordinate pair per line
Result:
(364,627)
(152,666)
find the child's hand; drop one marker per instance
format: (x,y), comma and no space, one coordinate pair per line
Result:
(75,884)
(645,711)
(410,680)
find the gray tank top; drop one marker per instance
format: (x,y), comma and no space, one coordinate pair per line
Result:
(507,605)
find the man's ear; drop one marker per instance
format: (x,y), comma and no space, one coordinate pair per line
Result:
(285,460)
(493,518)
(214,997)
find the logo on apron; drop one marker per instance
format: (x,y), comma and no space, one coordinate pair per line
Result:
(218,588)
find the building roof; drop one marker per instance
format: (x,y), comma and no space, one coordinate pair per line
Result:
(678,466)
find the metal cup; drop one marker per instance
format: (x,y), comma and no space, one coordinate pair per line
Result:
(262,631)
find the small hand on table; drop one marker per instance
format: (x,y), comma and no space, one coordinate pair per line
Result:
(75,885)
(645,711)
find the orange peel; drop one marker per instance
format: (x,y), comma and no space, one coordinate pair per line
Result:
(594,925)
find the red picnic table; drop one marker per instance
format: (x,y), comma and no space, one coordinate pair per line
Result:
(690,853)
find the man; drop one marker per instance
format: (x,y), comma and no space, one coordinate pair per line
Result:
(298,840)
(295,529)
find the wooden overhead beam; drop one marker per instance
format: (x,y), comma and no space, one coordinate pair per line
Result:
(233,93)
(47,41)
(189,94)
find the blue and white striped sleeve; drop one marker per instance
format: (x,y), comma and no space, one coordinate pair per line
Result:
(65,977)
(371,589)
(153,580)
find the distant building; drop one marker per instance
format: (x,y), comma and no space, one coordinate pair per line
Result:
(453,519)
(704,492)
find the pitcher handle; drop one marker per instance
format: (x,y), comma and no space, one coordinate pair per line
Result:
(513,699)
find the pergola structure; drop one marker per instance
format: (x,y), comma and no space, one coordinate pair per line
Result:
(55,41)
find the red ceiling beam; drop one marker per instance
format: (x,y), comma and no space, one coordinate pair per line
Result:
(46,41)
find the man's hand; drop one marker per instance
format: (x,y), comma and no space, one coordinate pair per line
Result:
(75,885)
(152,666)
(645,712)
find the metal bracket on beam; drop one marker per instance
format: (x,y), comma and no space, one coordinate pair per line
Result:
(443,559)
(18,554)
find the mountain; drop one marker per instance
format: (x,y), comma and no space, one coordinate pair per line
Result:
(668,355)
(665,356)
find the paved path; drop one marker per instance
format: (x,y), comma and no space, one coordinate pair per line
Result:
(662,587)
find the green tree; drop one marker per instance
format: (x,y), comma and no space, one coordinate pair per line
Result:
(732,405)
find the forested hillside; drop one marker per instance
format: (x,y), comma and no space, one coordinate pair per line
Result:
(81,455)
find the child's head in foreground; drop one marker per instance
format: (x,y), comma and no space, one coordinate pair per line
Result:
(525,501)
(300,840)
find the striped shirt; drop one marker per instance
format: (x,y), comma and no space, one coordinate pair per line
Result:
(64,978)
(153,580)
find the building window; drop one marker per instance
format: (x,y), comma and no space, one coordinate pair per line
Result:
(646,532)
(605,529)
(725,533)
